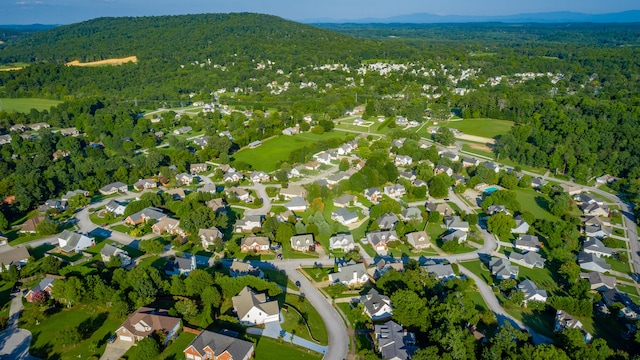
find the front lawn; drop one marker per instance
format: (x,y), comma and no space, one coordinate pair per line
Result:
(480,270)
(311,315)
(268,349)
(98,326)
(621,264)
(318,274)
(534,202)
(174,349)
(542,278)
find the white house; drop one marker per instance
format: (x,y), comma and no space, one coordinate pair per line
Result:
(455,223)
(403,160)
(342,242)
(521,226)
(344,216)
(527,243)
(115,207)
(418,239)
(376,306)
(395,191)
(531,292)
(255,309)
(594,246)
(350,275)
(71,241)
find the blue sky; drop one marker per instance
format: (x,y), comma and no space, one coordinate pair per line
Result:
(69,11)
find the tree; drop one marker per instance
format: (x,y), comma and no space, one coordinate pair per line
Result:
(4,223)
(344,165)
(47,227)
(78,200)
(501,224)
(147,349)
(187,308)
(197,281)
(444,136)
(439,186)
(152,246)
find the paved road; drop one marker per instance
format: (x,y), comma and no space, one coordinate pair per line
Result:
(261,191)
(14,342)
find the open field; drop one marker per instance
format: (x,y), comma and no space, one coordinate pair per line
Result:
(534,202)
(118,61)
(266,156)
(488,128)
(266,348)
(24,105)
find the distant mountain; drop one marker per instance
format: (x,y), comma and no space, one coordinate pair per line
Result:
(547,17)
(29,28)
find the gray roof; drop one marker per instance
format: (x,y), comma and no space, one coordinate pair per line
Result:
(345,273)
(247,299)
(109,250)
(387,221)
(304,240)
(503,268)
(116,185)
(530,289)
(14,255)
(530,257)
(373,301)
(238,349)
(597,279)
(454,235)
(382,236)
(295,202)
(183,264)
(73,238)
(528,241)
(345,214)
(455,222)
(344,199)
(43,284)
(392,341)
(592,262)
(441,270)
(341,241)
(209,187)
(595,245)
(151,213)
(412,212)
(370,191)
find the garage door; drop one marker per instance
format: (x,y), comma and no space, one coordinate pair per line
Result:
(126,338)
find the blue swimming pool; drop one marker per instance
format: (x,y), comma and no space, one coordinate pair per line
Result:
(491,190)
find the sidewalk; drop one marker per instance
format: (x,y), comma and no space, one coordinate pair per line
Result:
(273,330)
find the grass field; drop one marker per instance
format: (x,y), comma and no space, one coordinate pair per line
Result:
(266,156)
(24,105)
(534,202)
(310,314)
(268,349)
(489,128)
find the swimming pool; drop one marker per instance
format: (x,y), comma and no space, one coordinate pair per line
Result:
(491,190)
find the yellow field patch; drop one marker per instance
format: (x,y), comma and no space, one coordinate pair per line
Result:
(10,69)
(119,61)
(481,147)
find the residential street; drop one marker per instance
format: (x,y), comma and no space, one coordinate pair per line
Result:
(14,342)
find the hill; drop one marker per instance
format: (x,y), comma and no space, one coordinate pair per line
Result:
(219,37)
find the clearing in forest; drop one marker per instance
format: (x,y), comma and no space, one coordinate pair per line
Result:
(119,61)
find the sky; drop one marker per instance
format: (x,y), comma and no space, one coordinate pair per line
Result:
(70,11)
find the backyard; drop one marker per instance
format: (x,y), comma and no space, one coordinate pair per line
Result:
(271,152)
(24,105)
(489,128)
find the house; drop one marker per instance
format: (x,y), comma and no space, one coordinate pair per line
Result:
(145,184)
(565,321)
(217,205)
(324,158)
(248,223)
(605,179)
(595,209)
(259,176)
(455,223)
(598,231)
(442,208)
(403,160)
(380,239)
(630,309)
(73,193)
(590,261)
(40,125)
(337,177)
(303,242)
(502,269)
(387,221)
(18,256)
(167,225)
(385,264)
(202,141)
(459,179)
(531,292)
(376,306)
(402,121)
(596,221)
(30,225)
(177,193)
(491,166)
(214,346)
(398,142)
(496,209)
(115,207)
(441,271)
(255,309)
(350,275)
(599,281)
(408,175)
(521,226)
(109,251)
(147,321)
(344,216)
(411,213)
(5,139)
(144,215)
(297,203)
(528,259)
(373,194)
(240,268)
(418,239)
(210,236)
(180,266)
(53,204)
(571,189)
(185,179)
(586,199)
(241,194)
(441,169)
(394,342)
(468,162)
(3,239)
(197,168)
(594,246)
(18,128)
(293,191)
(254,144)
(208,188)
(45,285)
(298,171)
(255,243)
(344,200)
(342,242)
(537,182)
(232,177)
(394,191)
(455,235)
(312,165)
(73,242)
(527,243)
(290,131)
(182,130)
(114,188)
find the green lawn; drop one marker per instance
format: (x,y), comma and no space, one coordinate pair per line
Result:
(97,320)
(268,349)
(121,228)
(479,269)
(174,349)
(310,314)
(266,156)
(469,149)
(489,128)
(318,274)
(534,202)
(542,278)
(24,105)
(540,322)
(621,265)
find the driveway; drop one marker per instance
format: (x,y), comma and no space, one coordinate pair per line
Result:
(14,342)
(273,330)
(116,350)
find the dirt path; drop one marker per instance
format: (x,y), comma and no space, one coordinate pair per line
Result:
(119,61)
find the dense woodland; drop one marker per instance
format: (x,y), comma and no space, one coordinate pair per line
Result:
(583,125)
